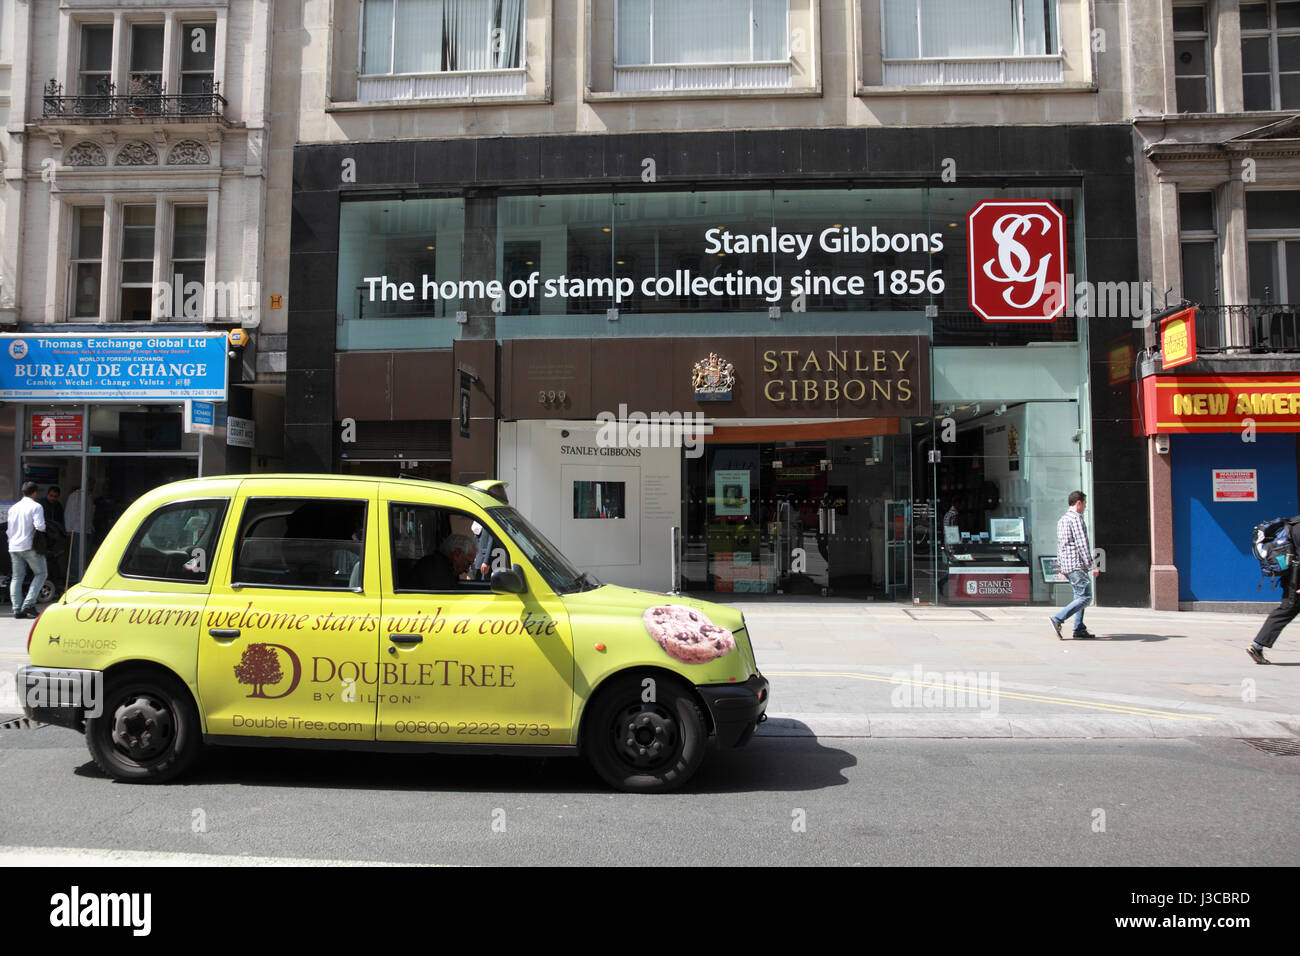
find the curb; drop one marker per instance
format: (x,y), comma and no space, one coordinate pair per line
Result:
(892,726)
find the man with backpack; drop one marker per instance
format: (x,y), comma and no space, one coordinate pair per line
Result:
(1278,553)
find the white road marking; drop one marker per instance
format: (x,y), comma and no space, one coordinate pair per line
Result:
(82,856)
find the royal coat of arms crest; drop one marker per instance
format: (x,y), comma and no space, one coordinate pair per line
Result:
(713,378)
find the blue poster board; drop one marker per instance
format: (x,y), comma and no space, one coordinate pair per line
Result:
(114,366)
(1212,537)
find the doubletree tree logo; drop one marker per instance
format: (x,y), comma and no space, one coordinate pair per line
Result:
(260,666)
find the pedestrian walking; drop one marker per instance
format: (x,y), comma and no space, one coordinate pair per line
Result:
(1289,608)
(26,518)
(1074,560)
(483,555)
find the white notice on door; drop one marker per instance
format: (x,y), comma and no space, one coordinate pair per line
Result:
(1235,484)
(661,498)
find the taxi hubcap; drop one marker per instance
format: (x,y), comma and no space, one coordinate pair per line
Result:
(646,737)
(142,728)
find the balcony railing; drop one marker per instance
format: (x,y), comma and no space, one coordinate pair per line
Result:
(1258,328)
(145,100)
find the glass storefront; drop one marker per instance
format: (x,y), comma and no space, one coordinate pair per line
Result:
(957,506)
(671,262)
(101,458)
(799,515)
(984,528)
(880,516)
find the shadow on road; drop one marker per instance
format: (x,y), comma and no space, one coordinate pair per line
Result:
(1145,638)
(766,764)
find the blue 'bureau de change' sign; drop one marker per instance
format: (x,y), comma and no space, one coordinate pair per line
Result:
(114,366)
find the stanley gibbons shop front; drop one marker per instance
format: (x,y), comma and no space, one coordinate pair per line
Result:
(744,362)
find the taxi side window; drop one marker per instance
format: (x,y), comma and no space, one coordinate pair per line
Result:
(439,549)
(175,543)
(315,543)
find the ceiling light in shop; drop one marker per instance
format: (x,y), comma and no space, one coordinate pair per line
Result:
(430,248)
(606,229)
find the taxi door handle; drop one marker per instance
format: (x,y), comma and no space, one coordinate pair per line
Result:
(406,638)
(224,633)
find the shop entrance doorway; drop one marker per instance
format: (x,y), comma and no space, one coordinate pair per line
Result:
(808,514)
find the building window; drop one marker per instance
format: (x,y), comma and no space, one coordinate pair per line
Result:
(189,243)
(948,29)
(1199,239)
(198,45)
(1270,55)
(87,260)
(137,263)
(1273,246)
(659,32)
(146,76)
(142,230)
(439,36)
(96,63)
(1192,59)
(140,85)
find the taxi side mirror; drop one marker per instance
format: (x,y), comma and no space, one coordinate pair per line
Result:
(509,581)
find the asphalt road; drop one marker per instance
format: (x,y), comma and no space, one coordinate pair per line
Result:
(1206,801)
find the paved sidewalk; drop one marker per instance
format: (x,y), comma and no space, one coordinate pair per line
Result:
(863,669)
(873,669)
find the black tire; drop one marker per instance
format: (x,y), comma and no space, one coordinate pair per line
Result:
(148,730)
(643,746)
(49,590)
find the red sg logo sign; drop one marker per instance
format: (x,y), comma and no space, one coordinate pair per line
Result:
(1016,252)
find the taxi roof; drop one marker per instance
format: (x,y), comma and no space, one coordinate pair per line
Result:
(473,494)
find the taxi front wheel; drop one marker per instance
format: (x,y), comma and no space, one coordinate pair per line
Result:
(147,731)
(645,746)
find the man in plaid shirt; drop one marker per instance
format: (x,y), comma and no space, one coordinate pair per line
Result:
(1074,559)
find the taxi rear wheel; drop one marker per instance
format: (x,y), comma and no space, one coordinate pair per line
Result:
(147,731)
(645,746)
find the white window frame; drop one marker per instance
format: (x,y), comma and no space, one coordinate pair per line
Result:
(1019,68)
(691,64)
(78,70)
(1020,40)
(1208,237)
(443,84)
(1283,295)
(110,260)
(74,211)
(392,50)
(1274,65)
(183,26)
(122,284)
(173,24)
(748,74)
(1205,37)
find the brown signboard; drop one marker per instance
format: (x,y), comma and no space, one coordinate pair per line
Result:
(826,376)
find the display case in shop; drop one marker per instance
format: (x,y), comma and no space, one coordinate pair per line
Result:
(990,566)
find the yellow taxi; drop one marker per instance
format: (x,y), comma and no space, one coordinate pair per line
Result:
(367,613)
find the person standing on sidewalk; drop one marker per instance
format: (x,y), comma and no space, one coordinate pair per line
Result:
(1074,559)
(1286,612)
(26,517)
(79,518)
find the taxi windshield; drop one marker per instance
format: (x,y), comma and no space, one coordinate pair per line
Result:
(559,573)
